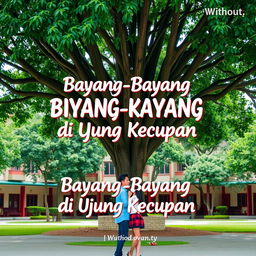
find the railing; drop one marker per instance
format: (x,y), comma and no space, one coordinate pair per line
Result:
(7,212)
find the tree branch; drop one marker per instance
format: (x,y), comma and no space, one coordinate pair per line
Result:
(171,53)
(96,59)
(141,43)
(217,84)
(228,88)
(124,49)
(226,71)
(187,41)
(194,66)
(251,94)
(179,66)
(14,100)
(28,93)
(56,57)
(111,47)
(18,81)
(156,46)
(12,64)
(82,66)
(49,82)
(107,60)
(249,91)
(210,65)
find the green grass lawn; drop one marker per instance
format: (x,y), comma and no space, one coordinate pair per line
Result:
(128,243)
(203,220)
(20,230)
(221,227)
(40,221)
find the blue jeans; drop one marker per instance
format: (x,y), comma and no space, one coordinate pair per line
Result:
(123,229)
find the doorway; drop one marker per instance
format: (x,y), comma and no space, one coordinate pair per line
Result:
(14,201)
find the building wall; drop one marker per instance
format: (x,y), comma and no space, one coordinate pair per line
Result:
(14,174)
(29,190)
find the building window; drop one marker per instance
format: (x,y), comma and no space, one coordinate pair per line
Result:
(109,168)
(164,169)
(16,168)
(109,199)
(1,200)
(31,200)
(180,167)
(241,200)
(189,198)
(14,201)
(164,198)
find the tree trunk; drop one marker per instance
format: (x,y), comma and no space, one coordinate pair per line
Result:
(208,203)
(130,155)
(77,196)
(129,164)
(46,201)
(59,200)
(154,174)
(212,206)
(201,211)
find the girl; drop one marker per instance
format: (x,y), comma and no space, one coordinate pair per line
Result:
(136,223)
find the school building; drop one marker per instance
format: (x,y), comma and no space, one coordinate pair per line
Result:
(18,191)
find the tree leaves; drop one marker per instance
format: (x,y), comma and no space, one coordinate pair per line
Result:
(55,157)
(113,28)
(207,169)
(167,153)
(9,146)
(241,157)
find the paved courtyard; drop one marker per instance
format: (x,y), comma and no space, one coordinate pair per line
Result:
(95,222)
(40,245)
(235,244)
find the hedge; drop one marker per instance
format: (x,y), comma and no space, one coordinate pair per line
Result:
(53,211)
(39,217)
(36,210)
(216,217)
(221,210)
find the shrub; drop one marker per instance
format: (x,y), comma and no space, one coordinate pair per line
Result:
(216,217)
(39,217)
(221,210)
(155,214)
(36,210)
(53,211)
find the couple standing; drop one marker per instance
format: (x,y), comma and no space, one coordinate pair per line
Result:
(128,220)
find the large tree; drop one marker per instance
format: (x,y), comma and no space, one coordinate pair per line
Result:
(44,41)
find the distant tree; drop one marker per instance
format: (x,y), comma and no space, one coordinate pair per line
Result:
(223,120)
(241,156)
(210,170)
(9,145)
(56,158)
(165,154)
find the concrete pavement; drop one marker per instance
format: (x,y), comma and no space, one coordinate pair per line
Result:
(44,223)
(40,245)
(95,222)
